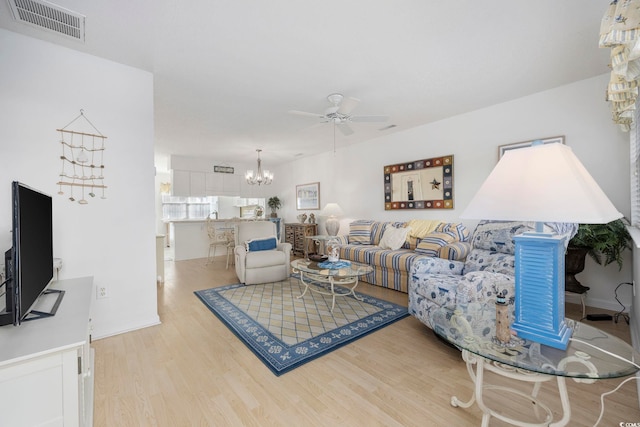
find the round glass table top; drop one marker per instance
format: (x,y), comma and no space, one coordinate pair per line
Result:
(591,353)
(344,268)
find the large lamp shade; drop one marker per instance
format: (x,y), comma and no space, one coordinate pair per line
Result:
(544,183)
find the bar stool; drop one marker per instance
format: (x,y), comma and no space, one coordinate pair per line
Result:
(219,237)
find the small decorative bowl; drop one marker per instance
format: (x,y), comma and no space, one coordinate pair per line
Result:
(317,257)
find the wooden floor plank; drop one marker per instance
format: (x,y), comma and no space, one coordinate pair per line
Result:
(192,370)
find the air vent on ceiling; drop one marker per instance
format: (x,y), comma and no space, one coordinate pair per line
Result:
(49,16)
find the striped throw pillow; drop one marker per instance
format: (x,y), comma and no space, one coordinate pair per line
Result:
(360,232)
(457,251)
(456,229)
(432,242)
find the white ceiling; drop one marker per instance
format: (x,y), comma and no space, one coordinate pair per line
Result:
(227,72)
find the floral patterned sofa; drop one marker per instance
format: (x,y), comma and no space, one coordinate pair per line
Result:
(367,241)
(488,270)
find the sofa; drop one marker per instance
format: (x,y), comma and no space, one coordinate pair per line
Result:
(391,248)
(488,269)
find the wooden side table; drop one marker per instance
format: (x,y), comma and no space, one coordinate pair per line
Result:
(296,233)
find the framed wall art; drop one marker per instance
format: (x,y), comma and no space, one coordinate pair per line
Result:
(504,148)
(421,184)
(308,196)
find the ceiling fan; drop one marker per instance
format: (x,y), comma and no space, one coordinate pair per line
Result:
(340,113)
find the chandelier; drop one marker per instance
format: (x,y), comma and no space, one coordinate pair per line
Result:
(261,177)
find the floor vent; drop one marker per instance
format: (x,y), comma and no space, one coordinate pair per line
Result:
(49,16)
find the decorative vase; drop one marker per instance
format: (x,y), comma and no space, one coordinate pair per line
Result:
(333,250)
(312,219)
(334,254)
(574,264)
(302,218)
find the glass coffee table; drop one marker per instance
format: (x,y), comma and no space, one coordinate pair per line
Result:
(343,273)
(592,354)
(321,241)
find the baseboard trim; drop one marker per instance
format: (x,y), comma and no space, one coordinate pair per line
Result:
(154,322)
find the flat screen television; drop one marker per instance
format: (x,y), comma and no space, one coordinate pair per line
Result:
(29,262)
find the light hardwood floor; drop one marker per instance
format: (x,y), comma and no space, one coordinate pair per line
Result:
(192,371)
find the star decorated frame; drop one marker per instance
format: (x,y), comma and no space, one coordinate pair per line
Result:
(420,184)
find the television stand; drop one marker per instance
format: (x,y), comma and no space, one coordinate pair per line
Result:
(38,314)
(48,365)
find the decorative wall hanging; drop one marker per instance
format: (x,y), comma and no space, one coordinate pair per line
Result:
(82,162)
(308,196)
(223,169)
(506,147)
(620,32)
(421,184)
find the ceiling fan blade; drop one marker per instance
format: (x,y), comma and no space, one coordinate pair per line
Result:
(347,105)
(344,128)
(304,113)
(369,118)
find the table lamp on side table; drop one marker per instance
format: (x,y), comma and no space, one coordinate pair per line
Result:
(541,183)
(332,211)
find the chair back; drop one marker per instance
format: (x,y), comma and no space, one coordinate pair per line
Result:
(254,230)
(221,234)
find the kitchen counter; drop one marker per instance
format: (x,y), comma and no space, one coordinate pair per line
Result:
(190,238)
(213,220)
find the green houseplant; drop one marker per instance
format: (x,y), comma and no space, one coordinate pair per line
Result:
(604,243)
(274,204)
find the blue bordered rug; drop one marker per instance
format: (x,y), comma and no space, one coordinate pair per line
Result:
(285,331)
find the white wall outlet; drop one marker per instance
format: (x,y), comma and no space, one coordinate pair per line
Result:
(101,292)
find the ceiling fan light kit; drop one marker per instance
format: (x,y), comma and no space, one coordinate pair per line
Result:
(339,114)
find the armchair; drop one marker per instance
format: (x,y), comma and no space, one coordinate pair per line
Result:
(259,257)
(489,269)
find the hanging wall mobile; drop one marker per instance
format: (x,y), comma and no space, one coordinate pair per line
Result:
(82,162)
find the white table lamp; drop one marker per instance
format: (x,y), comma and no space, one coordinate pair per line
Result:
(332,211)
(541,183)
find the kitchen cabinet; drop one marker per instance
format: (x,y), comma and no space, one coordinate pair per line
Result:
(200,184)
(181,185)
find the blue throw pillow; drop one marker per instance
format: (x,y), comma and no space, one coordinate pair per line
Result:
(263,244)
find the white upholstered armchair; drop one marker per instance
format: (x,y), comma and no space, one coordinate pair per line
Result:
(259,257)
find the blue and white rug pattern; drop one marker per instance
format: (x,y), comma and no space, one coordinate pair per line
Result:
(285,331)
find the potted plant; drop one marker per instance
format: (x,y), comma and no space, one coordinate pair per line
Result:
(604,243)
(274,204)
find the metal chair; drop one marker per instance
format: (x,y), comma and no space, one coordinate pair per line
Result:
(220,236)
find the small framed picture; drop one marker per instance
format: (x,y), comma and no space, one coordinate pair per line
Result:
(308,196)
(504,148)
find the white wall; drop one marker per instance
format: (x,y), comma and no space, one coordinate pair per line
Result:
(353,177)
(43,88)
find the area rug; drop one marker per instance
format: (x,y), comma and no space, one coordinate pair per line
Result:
(285,331)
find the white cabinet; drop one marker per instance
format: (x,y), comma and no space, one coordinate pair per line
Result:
(200,184)
(197,187)
(46,365)
(214,184)
(231,184)
(181,185)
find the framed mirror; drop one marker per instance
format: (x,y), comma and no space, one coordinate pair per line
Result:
(420,184)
